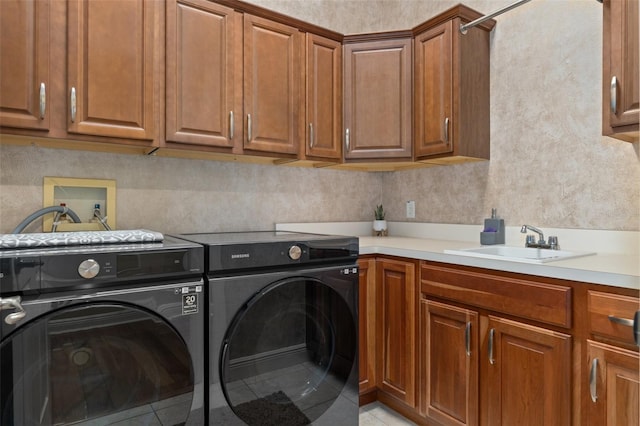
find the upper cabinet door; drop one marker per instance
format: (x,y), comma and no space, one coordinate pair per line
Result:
(202,84)
(434,91)
(324,98)
(113,46)
(377,99)
(273,78)
(24,68)
(621,72)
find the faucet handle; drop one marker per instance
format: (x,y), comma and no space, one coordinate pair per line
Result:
(531,239)
(553,242)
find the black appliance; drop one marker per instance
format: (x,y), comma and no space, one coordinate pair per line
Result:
(109,334)
(283,341)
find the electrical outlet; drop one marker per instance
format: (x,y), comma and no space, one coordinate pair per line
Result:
(411,209)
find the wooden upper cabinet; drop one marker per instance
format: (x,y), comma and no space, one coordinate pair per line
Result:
(324,98)
(273,81)
(434,91)
(526,374)
(451,79)
(24,64)
(203,73)
(377,99)
(114,51)
(396,338)
(620,70)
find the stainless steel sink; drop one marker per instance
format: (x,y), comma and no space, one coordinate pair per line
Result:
(519,254)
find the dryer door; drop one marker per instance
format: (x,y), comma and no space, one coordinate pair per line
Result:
(288,353)
(98,362)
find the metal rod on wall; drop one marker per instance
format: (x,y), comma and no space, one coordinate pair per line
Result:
(465,27)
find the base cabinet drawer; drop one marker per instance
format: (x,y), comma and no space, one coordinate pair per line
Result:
(613,317)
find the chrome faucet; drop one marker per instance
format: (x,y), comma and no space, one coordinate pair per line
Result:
(541,243)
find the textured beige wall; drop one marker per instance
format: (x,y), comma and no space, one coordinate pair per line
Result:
(178,195)
(549,167)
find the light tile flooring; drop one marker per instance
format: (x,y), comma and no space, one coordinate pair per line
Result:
(376,414)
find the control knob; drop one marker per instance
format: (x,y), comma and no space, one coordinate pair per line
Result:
(295,252)
(88,268)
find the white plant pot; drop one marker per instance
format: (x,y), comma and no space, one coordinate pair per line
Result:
(379,225)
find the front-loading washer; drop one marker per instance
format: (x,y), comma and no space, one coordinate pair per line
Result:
(282,328)
(102,334)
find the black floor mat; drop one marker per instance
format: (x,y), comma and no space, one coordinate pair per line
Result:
(273,410)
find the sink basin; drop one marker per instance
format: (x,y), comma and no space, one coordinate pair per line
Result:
(519,254)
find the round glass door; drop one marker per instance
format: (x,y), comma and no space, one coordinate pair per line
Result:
(288,353)
(97,363)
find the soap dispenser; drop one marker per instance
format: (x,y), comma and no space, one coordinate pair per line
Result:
(493,232)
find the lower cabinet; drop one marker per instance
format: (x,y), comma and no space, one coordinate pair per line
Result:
(396,311)
(451,345)
(526,375)
(448,357)
(523,372)
(614,385)
(367,328)
(613,363)
(387,331)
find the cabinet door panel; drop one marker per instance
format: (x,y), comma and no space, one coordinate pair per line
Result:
(623,59)
(528,374)
(112,67)
(396,313)
(377,99)
(272,86)
(201,80)
(366,329)
(24,48)
(449,364)
(434,91)
(621,70)
(617,386)
(324,98)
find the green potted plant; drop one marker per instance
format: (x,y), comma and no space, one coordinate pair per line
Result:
(379,223)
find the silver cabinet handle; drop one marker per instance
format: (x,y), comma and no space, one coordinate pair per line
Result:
(446,130)
(467,338)
(492,360)
(633,323)
(231,125)
(614,94)
(73,104)
(621,321)
(346,139)
(311,141)
(593,382)
(248,127)
(43,100)
(12,303)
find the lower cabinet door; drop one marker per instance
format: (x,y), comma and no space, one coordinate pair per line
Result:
(448,367)
(614,385)
(528,375)
(397,342)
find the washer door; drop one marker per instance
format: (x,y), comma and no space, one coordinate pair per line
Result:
(96,362)
(288,353)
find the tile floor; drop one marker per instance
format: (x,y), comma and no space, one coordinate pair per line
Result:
(376,414)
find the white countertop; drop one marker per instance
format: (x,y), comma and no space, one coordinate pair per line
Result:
(618,270)
(617,262)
